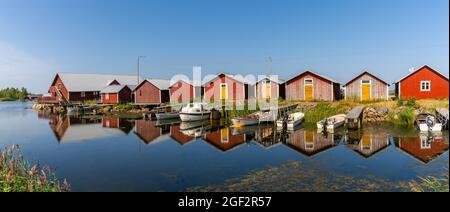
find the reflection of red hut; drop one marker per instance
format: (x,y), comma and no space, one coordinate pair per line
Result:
(370,145)
(59,125)
(115,122)
(422,148)
(178,136)
(310,142)
(224,140)
(147,131)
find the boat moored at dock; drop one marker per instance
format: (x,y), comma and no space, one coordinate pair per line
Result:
(194,112)
(331,123)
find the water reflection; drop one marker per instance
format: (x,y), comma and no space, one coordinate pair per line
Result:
(69,129)
(424,147)
(367,144)
(305,140)
(310,142)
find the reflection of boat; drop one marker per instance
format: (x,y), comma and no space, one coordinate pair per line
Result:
(428,122)
(331,123)
(195,129)
(163,122)
(194,112)
(244,130)
(292,121)
(253,119)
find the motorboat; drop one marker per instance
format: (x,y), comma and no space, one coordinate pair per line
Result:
(293,120)
(194,112)
(253,119)
(331,123)
(427,122)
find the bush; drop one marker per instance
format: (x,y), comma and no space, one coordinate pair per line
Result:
(400,102)
(407,117)
(411,102)
(16,175)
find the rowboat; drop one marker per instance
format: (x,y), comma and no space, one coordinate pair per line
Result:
(331,123)
(253,119)
(428,122)
(167,115)
(293,120)
(194,112)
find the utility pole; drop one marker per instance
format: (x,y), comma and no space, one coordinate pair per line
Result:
(138,68)
(270,66)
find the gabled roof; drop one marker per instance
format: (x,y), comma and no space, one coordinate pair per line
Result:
(161,84)
(238,78)
(313,73)
(190,82)
(93,82)
(113,89)
(368,73)
(423,67)
(278,81)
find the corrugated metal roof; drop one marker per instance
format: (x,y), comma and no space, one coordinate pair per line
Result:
(161,84)
(93,82)
(112,89)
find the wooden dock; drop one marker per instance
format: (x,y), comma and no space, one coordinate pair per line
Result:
(354,118)
(442,116)
(285,110)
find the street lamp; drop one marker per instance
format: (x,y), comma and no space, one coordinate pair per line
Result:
(138,67)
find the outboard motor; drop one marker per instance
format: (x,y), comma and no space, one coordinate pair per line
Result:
(430,122)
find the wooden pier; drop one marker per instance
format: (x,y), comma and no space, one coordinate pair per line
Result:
(283,111)
(354,118)
(442,116)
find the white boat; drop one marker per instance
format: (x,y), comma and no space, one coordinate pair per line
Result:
(293,120)
(253,119)
(331,123)
(194,112)
(428,122)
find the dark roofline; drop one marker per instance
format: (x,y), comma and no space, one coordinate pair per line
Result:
(365,72)
(312,73)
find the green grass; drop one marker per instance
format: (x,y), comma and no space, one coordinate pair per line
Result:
(430,184)
(321,111)
(17,175)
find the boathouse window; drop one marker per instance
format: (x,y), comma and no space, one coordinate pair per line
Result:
(366,81)
(308,81)
(107,96)
(425,86)
(83,94)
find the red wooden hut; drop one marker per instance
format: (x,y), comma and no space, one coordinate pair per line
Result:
(116,94)
(310,86)
(424,83)
(152,92)
(225,87)
(73,87)
(267,88)
(182,91)
(366,87)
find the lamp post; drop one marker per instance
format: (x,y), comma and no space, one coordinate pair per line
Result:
(138,67)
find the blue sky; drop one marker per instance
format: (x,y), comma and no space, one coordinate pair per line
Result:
(337,38)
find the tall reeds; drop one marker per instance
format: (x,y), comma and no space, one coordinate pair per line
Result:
(17,175)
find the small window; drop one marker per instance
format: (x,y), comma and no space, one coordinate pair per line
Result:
(107,96)
(308,81)
(223,85)
(366,81)
(83,94)
(425,86)
(140,93)
(266,81)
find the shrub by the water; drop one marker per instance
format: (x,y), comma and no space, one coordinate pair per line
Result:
(321,111)
(400,102)
(17,175)
(407,117)
(411,102)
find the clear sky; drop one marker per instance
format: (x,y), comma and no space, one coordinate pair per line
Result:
(337,38)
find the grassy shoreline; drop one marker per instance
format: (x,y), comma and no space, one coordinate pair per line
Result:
(17,175)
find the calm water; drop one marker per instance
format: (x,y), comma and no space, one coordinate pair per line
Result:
(117,154)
